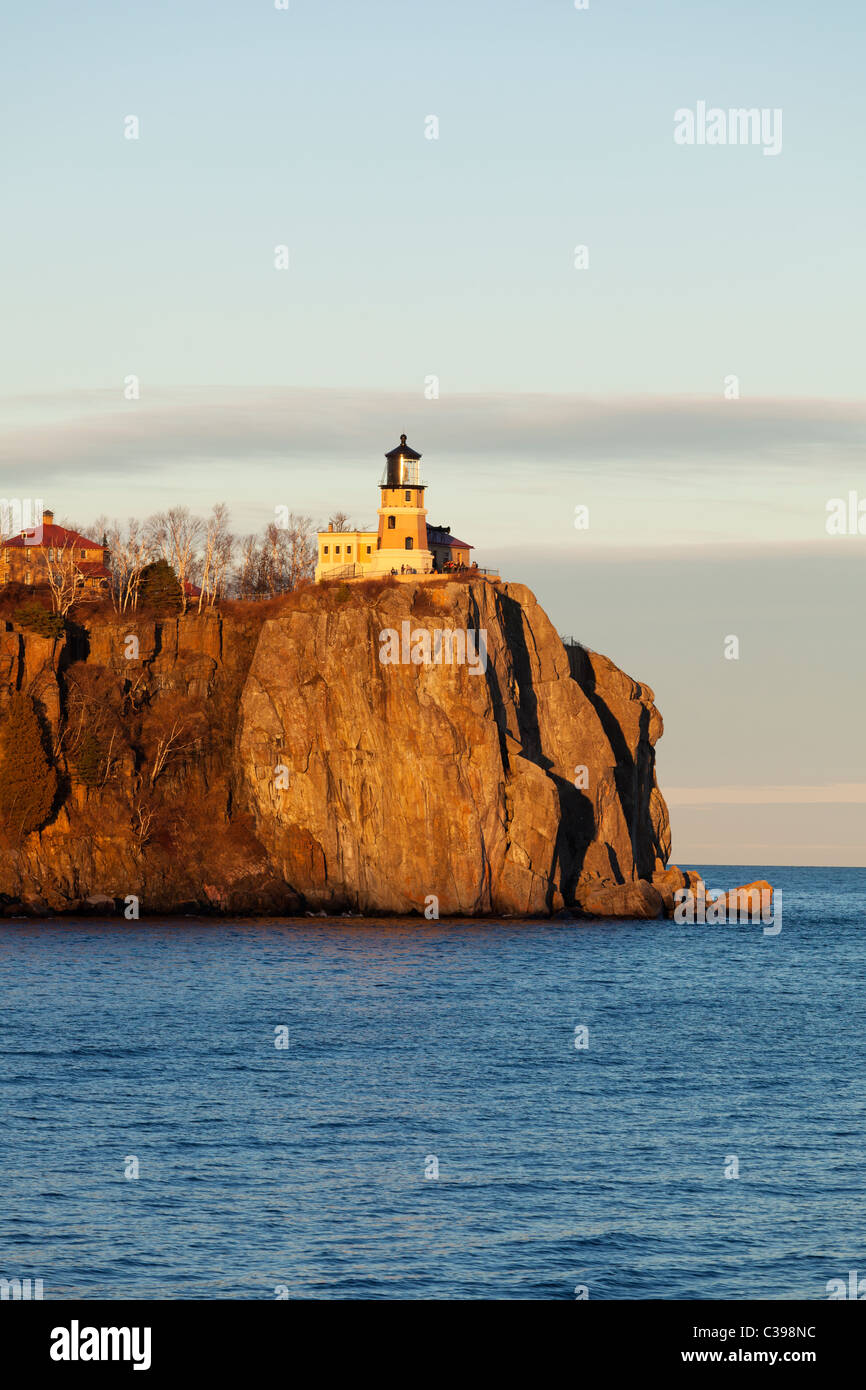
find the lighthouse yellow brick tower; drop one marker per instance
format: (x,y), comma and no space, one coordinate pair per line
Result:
(401,544)
(402,539)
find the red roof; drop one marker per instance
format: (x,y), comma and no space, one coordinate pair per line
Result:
(437,536)
(56,536)
(191,590)
(92,569)
(460,545)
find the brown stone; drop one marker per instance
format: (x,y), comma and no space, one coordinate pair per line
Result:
(668,882)
(638,899)
(750,900)
(416,782)
(406,782)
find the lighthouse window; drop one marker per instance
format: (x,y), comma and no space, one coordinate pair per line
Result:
(369,549)
(408,495)
(325,550)
(392,522)
(408,542)
(348,550)
(336,550)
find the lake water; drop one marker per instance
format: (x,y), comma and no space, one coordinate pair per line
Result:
(304,1166)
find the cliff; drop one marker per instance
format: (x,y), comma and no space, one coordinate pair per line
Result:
(241,765)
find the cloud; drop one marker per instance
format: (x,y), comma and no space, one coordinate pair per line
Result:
(835,793)
(96,433)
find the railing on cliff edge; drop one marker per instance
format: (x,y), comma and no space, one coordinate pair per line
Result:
(345,572)
(470,570)
(363,572)
(577,659)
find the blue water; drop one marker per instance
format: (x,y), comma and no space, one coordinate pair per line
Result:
(305,1167)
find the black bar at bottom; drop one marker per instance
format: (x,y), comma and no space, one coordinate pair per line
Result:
(166,1340)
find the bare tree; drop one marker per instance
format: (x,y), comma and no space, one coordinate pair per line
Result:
(175,741)
(275,561)
(174,536)
(274,549)
(246,574)
(65,574)
(129,552)
(218,547)
(341,522)
(142,821)
(300,550)
(91,715)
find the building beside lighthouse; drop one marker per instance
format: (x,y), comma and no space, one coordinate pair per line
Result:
(32,555)
(402,542)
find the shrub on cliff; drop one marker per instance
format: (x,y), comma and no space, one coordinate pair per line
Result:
(159,588)
(37,619)
(100,724)
(424,604)
(12,595)
(89,760)
(28,781)
(373,588)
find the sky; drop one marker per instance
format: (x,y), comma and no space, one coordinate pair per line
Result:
(692,377)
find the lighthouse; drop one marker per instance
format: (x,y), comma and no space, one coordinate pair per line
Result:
(402,538)
(401,544)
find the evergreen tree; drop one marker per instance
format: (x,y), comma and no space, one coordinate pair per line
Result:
(28,781)
(159,588)
(88,763)
(33,616)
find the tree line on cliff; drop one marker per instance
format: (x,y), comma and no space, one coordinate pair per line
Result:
(179,561)
(204,554)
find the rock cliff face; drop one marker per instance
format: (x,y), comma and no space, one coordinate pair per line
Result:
(493,791)
(283,766)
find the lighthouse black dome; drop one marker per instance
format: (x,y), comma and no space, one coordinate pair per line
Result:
(395,474)
(404,449)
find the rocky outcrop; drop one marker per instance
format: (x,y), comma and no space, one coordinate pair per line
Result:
(409,784)
(667,882)
(639,900)
(750,901)
(311,775)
